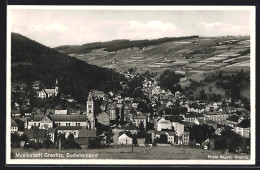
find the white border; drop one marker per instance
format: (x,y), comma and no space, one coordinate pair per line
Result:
(125,161)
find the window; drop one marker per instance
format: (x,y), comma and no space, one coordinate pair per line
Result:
(67,124)
(75,133)
(89,111)
(58,124)
(34,124)
(77,124)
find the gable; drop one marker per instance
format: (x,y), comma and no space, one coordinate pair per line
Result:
(46,119)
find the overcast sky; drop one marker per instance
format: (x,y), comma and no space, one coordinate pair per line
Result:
(74,27)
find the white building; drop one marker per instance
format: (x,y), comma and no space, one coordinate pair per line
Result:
(124,139)
(163,124)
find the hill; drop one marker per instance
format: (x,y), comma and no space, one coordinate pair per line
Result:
(116,45)
(198,58)
(32,61)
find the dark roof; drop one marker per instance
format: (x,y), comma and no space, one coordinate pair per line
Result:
(130,128)
(13,123)
(244,123)
(112,106)
(233,118)
(84,133)
(35,133)
(68,127)
(193,115)
(174,119)
(20,124)
(15,111)
(103,116)
(73,118)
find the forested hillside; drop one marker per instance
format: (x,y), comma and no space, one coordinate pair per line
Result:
(117,44)
(33,61)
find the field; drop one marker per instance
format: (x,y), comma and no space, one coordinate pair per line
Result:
(143,153)
(196,58)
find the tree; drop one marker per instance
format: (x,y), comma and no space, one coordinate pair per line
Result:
(70,137)
(15,140)
(134,138)
(117,116)
(141,127)
(47,143)
(109,136)
(122,116)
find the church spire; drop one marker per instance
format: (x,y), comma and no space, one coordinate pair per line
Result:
(90,97)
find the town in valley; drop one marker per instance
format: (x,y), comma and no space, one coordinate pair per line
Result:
(144,110)
(167,97)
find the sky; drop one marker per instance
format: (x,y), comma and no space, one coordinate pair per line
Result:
(56,27)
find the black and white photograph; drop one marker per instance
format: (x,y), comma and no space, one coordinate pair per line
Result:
(137,85)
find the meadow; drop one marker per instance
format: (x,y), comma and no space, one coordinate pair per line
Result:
(143,153)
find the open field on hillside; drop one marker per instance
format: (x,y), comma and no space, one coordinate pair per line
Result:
(149,153)
(196,58)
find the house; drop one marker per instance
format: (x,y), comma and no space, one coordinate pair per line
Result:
(103,105)
(14,126)
(41,121)
(45,93)
(15,113)
(178,127)
(103,118)
(98,94)
(141,141)
(124,140)
(170,137)
(84,137)
(192,117)
(60,112)
(111,108)
(176,123)
(217,117)
(233,120)
(67,130)
(163,124)
(243,128)
(186,138)
(48,121)
(169,104)
(36,134)
(131,128)
(138,118)
(24,121)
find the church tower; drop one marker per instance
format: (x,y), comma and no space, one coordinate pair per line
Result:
(56,87)
(90,111)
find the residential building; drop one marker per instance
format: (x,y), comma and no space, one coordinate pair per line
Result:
(186,138)
(163,124)
(124,139)
(84,137)
(67,130)
(14,126)
(45,93)
(243,128)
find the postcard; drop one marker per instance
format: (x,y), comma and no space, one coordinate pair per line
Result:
(130,85)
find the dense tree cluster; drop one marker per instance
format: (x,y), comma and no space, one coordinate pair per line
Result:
(32,61)
(169,80)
